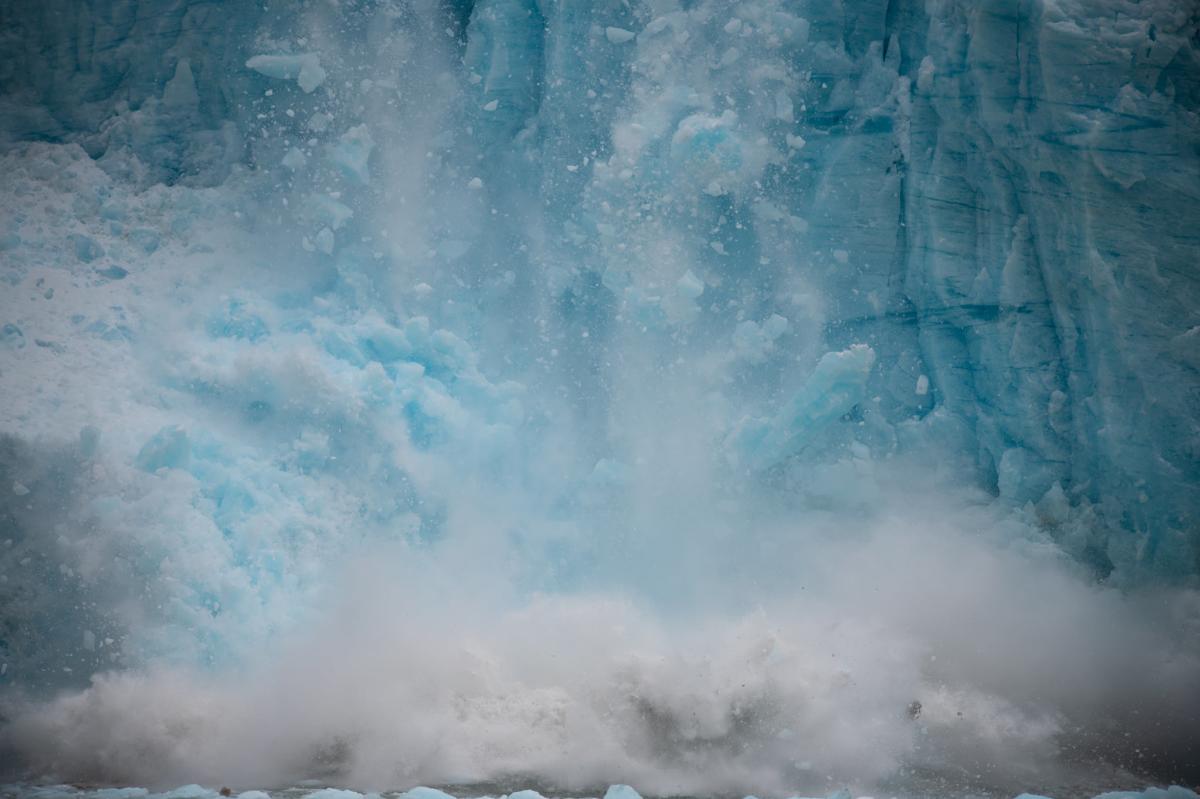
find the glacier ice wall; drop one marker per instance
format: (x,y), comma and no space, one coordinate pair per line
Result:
(997,196)
(648,298)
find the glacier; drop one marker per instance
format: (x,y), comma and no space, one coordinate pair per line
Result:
(777,395)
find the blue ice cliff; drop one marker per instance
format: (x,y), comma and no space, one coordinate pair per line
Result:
(836,354)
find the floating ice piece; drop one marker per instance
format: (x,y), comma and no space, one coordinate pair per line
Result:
(421,792)
(189,792)
(1173,792)
(334,793)
(304,68)
(621,792)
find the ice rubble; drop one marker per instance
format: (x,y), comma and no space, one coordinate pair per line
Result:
(284,283)
(613,792)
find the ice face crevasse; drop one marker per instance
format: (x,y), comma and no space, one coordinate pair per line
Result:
(647,324)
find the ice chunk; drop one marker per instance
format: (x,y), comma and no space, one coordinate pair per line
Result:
(89,441)
(835,386)
(754,341)
(324,241)
(1022,476)
(331,211)
(690,286)
(113,272)
(319,122)
(304,68)
(236,320)
(294,159)
(421,792)
(352,153)
(87,249)
(333,793)
(189,792)
(180,92)
(146,239)
(618,35)
(169,448)
(11,335)
(621,792)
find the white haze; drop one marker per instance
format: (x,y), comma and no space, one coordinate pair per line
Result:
(426,671)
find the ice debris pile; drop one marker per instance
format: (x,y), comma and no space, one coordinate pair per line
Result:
(603,297)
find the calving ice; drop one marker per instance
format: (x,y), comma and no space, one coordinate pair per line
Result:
(712,397)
